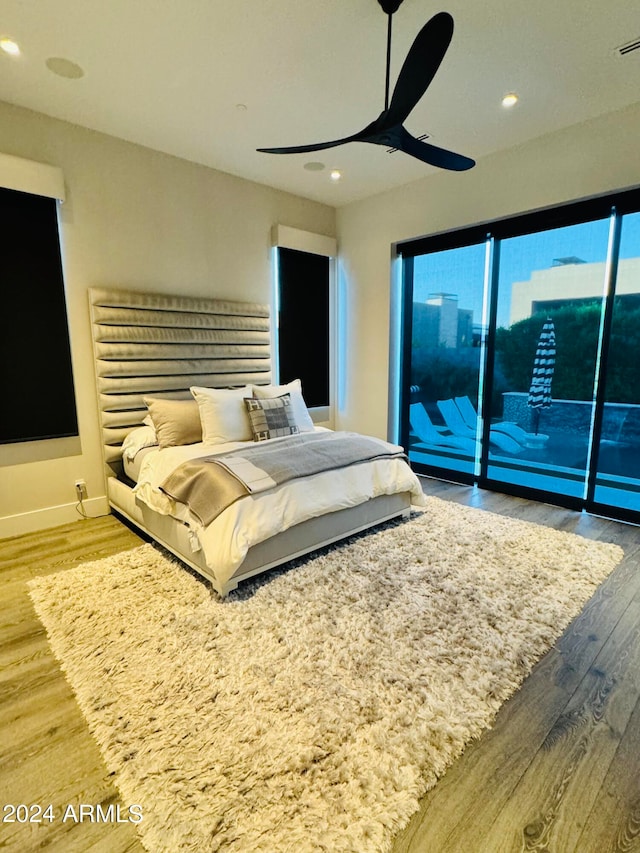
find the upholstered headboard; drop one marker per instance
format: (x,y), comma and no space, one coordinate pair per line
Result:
(154,344)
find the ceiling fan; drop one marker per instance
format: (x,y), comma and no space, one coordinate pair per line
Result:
(420,66)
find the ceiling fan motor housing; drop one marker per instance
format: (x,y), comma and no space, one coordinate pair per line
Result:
(390,6)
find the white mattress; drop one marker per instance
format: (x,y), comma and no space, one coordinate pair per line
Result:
(253,519)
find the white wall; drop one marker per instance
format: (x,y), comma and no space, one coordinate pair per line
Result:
(137,219)
(585,160)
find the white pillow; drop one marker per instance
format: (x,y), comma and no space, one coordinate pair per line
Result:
(223,414)
(301,414)
(144,436)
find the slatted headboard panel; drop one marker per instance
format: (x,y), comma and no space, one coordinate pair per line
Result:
(159,345)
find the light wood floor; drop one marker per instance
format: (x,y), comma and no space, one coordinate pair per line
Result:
(558,773)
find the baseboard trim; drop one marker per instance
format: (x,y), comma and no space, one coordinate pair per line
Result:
(51,516)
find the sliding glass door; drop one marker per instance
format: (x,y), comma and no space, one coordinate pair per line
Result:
(521,358)
(617,468)
(549,309)
(446,337)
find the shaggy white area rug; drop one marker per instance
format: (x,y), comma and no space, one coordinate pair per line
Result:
(312,709)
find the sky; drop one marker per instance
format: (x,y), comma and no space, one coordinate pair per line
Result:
(461,271)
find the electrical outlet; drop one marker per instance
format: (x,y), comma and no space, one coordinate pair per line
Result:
(81,489)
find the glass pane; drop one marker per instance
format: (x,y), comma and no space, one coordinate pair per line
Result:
(448,289)
(549,313)
(618,476)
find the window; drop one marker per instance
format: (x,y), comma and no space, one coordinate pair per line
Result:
(304,309)
(36,380)
(617,462)
(446,308)
(303,323)
(520,355)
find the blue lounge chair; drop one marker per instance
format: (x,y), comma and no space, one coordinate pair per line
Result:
(470,417)
(454,421)
(433,437)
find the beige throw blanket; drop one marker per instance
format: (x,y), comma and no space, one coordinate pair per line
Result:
(209,484)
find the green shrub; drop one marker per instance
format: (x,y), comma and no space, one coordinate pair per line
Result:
(576,332)
(445,373)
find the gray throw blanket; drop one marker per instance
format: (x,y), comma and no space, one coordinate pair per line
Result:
(209,484)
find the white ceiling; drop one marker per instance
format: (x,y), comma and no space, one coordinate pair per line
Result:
(168,74)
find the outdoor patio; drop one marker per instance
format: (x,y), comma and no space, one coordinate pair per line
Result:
(558,465)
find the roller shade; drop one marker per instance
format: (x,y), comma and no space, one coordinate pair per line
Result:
(28,176)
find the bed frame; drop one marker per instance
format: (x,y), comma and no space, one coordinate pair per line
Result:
(156,344)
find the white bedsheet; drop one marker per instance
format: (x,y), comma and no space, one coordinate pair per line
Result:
(253,519)
(132,466)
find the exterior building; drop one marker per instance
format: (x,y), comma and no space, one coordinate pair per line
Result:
(569,280)
(439,322)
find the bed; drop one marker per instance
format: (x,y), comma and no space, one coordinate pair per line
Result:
(159,359)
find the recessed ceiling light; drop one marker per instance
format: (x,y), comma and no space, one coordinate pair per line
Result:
(314,166)
(336,174)
(10,46)
(510,100)
(64,68)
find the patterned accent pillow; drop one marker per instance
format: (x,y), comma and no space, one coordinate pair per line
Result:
(271,418)
(298,405)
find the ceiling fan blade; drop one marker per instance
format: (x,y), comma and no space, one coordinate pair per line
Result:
(318,146)
(433,155)
(422,62)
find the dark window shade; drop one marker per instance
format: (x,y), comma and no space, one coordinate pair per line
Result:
(303,327)
(36,381)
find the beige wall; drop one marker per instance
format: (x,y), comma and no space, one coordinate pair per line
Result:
(582,161)
(138,219)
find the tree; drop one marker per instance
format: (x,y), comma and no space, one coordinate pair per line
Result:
(576,329)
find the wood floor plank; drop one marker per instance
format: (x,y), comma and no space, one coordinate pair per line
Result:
(613,826)
(47,754)
(548,807)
